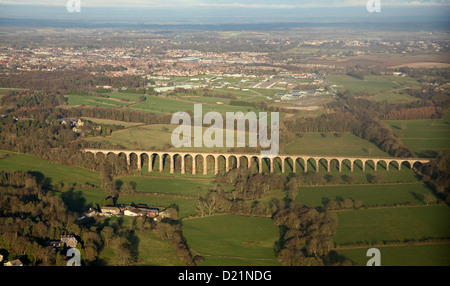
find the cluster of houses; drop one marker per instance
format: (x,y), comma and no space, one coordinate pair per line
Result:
(139,210)
(77,125)
(296,94)
(66,241)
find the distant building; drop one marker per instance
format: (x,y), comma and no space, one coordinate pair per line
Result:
(15,262)
(69,241)
(111,210)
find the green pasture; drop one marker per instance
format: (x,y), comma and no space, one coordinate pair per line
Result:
(182,186)
(370,195)
(426,138)
(232,236)
(408,255)
(54,172)
(389,224)
(347,145)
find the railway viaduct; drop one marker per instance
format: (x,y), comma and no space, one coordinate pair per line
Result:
(281,159)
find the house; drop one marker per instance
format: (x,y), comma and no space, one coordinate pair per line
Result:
(15,262)
(69,241)
(111,210)
(68,121)
(130,211)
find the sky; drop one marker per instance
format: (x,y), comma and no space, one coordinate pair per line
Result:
(207,11)
(251,4)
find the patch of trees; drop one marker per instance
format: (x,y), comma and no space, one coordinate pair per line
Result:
(426,112)
(28,99)
(67,80)
(30,217)
(170,229)
(306,237)
(356,74)
(249,185)
(436,174)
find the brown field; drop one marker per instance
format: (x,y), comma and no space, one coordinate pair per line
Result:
(388,61)
(424,65)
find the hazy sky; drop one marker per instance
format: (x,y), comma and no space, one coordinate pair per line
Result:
(261,4)
(220,11)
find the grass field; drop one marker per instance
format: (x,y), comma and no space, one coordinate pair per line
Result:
(388,224)
(54,171)
(180,186)
(156,137)
(417,255)
(379,88)
(347,145)
(232,236)
(426,138)
(151,250)
(370,195)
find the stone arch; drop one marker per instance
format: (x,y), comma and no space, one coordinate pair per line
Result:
(221,162)
(198,162)
(210,161)
(278,165)
(311,164)
(233,162)
(334,165)
(383,164)
(244,161)
(255,164)
(289,164)
(177,162)
(394,164)
(371,164)
(323,164)
(143,160)
(406,164)
(346,165)
(165,162)
(358,165)
(189,164)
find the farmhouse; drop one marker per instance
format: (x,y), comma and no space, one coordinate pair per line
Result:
(141,211)
(69,241)
(110,210)
(15,262)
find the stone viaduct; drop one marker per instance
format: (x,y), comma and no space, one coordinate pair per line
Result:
(282,159)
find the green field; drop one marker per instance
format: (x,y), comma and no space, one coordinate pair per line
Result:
(416,255)
(155,137)
(389,224)
(232,236)
(53,171)
(378,88)
(188,187)
(426,138)
(347,145)
(370,195)
(153,251)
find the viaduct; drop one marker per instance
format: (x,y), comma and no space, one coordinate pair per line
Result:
(281,159)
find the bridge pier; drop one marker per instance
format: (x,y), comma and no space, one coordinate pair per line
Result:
(194,166)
